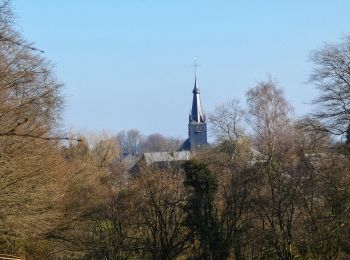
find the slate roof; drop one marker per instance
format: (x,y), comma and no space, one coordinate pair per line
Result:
(157,157)
(197,113)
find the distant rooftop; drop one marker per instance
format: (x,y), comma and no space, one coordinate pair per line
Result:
(157,157)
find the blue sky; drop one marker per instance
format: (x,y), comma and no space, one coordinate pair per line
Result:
(127,63)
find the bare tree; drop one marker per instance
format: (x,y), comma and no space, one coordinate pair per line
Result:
(103,147)
(226,121)
(331,76)
(30,99)
(160,215)
(129,140)
(233,200)
(325,207)
(6,18)
(34,177)
(269,116)
(90,196)
(33,173)
(309,141)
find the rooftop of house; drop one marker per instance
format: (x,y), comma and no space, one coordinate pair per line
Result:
(157,157)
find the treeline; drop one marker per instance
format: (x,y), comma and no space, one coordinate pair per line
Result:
(277,191)
(133,142)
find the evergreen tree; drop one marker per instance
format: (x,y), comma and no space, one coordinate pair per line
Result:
(200,207)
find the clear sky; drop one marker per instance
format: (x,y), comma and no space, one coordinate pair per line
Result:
(127,63)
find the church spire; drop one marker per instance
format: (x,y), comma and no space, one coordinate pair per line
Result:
(197,114)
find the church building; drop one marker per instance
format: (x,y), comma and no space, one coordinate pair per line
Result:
(197,125)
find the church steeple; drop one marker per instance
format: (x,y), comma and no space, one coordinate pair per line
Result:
(197,113)
(197,126)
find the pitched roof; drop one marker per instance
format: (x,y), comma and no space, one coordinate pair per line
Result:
(156,157)
(197,113)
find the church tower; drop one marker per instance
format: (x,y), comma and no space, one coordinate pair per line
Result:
(197,126)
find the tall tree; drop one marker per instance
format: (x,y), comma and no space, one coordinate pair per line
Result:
(201,211)
(325,226)
(226,121)
(32,172)
(160,214)
(230,161)
(331,76)
(269,116)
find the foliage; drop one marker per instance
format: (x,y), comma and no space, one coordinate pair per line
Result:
(201,212)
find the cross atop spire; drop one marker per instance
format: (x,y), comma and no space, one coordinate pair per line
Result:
(195,65)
